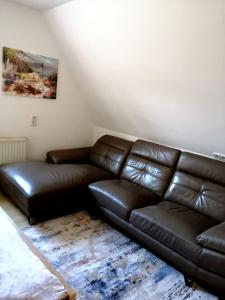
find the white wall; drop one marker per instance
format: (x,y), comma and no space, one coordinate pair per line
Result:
(100,131)
(62,123)
(151,68)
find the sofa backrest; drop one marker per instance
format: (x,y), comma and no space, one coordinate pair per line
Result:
(199,183)
(110,153)
(150,165)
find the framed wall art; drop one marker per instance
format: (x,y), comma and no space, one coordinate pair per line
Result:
(27,74)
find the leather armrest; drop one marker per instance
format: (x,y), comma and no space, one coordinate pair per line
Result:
(67,156)
(213,238)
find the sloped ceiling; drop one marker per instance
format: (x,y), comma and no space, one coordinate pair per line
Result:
(41,5)
(152,68)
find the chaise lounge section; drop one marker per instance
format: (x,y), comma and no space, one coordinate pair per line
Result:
(172,202)
(43,190)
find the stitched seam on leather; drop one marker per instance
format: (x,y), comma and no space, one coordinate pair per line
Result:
(212,248)
(198,195)
(140,176)
(199,192)
(108,158)
(154,160)
(185,186)
(214,199)
(198,176)
(113,146)
(204,213)
(116,216)
(140,186)
(197,261)
(146,172)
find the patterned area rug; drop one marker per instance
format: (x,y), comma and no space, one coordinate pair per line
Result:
(101,263)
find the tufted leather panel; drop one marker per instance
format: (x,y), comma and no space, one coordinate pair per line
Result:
(110,152)
(199,184)
(202,167)
(150,165)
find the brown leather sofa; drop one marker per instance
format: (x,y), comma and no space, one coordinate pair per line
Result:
(172,202)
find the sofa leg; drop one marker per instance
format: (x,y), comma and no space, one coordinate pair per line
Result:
(94,216)
(31,221)
(188,280)
(93,212)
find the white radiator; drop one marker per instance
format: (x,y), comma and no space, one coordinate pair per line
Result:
(12,150)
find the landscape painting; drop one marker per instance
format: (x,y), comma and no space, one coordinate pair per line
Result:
(27,74)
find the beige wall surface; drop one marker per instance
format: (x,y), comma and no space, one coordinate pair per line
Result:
(62,123)
(154,69)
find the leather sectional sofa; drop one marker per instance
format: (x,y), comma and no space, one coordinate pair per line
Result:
(172,202)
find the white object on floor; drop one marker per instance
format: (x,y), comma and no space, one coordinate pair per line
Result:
(22,274)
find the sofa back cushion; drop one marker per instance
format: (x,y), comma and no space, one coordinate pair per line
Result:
(110,153)
(199,183)
(150,165)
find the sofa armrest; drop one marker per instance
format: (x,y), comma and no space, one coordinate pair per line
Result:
(213,238)
(67,156)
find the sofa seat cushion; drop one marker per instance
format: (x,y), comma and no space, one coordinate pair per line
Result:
(173,225)
(121,196)
(36,185)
